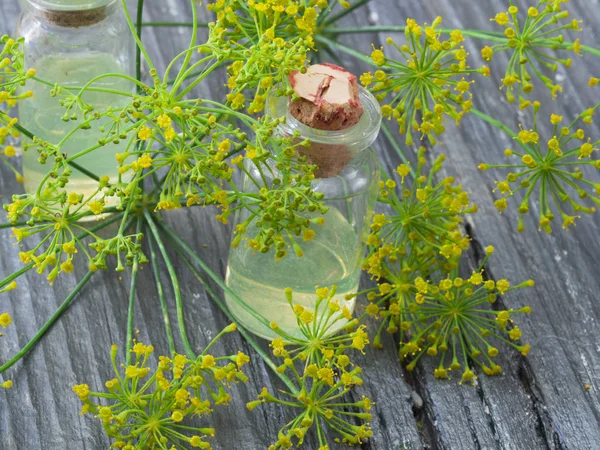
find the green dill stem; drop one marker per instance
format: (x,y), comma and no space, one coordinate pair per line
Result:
(584,48)
(47,325)
(133,30)
(138,52)
(174,282)
(76,166)
(345,49)
(193,74)
(78,88)
(177,240)
(132,292)
(176,24)
(247,336)
(176,58)
(15,275)
(84,171)
(497,124)
(390,137)
(188,55)
(161,296)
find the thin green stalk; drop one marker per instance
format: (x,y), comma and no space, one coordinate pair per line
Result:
(215,297)
(176,24)
(76,166)
(177,240)
(390,137)
(161,296)
(175,283)
(350,51)
(138,51)
(9,279)
(584,48)
(132,294)
(133,30)
(84,171)
(47,325)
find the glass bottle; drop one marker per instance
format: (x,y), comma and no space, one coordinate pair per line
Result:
(348,176)
(70,42)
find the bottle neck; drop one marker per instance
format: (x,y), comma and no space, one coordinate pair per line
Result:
(71,13)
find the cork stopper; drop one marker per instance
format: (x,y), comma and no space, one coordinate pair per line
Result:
(74,18)
(328,100)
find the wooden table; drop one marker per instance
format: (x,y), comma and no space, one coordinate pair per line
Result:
(539,402)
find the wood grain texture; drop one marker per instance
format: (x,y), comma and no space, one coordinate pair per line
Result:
(539,402)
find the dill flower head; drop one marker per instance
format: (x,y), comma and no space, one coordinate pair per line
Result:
(426,215)
(263,42)
(531,35)
(12,76)
(549,172)
(431,81)
(146,408)
(322,374)
(448,319)
(5,321)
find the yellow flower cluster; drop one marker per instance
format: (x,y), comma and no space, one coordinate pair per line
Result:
(327,373)
(529,35)
(432,82)
(145,407)
(548,171)
(425,217)
(446,318)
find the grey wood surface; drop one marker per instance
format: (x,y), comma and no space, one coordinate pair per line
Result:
(540,402)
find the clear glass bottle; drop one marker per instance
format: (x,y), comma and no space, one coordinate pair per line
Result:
(70,42)
(348,176)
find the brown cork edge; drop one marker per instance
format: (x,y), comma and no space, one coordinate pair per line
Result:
(75,19)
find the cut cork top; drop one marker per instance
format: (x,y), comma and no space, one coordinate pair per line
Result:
(327,97)
(327,100)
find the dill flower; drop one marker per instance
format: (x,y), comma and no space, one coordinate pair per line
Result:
(425,216)
(5,320)
(431,82)
(264,42)
(448,319)
(322,375)
(12,76)
(530,36)
(144,408)
(549,172)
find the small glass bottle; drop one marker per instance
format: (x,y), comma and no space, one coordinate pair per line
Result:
(348,176)
(70,42)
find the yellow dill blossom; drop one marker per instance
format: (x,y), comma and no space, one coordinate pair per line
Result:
(96,207)
(144,133)
(321,370)
(548,171)
(530,36)
(432,82)
(5,320)
(164,121)
(412,223)
(177,389)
